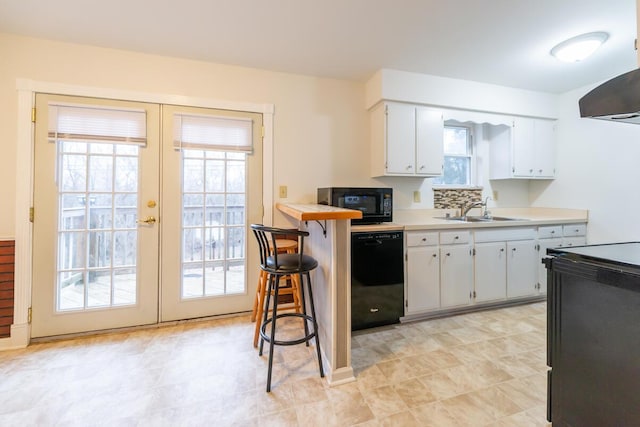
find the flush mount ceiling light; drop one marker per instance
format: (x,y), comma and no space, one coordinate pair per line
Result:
(578,48)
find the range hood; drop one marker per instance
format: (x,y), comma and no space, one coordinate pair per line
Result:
(617,99)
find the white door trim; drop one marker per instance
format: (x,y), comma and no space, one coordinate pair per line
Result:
(20,329)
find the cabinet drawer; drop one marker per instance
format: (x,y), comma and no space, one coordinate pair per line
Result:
(504,234)
(568,242)
(549,231)
(571,230)
(453,237)
(422,239)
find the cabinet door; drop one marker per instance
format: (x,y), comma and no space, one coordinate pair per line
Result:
(423,279)
(543,245)
(545,148)
(522,270)
(401,139)
(429,142)
(490,268)
(523,147)
(456,275)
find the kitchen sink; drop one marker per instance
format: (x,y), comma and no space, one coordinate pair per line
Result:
(469,218)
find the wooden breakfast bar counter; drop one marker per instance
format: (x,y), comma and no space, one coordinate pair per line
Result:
(329,242)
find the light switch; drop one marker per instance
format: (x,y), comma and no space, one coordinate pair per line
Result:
(283,191)
(416,196)
(495,196)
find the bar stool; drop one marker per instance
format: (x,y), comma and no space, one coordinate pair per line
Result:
(284,246)
(276,266)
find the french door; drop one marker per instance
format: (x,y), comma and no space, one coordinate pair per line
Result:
(205,215)
(131,228)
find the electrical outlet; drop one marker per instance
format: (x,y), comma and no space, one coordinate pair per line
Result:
(495,196)
(283,191)
(416,196)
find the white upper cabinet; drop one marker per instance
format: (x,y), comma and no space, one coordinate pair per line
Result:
(429,142)
(406,140)
(526,151)
(523,148)
(545,151)
(401,139)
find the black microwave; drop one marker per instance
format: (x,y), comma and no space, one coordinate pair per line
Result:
(376,204)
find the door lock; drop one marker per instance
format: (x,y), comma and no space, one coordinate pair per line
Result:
(147,220)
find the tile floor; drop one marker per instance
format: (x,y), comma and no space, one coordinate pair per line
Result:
(479,369)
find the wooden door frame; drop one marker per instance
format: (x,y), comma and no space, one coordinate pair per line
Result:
(21,328)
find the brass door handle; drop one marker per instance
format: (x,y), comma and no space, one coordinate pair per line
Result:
(147,220)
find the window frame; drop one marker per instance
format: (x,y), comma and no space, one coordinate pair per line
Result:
(471,150)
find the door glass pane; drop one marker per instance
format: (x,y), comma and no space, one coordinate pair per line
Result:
(213,223)
(97,228)
(124,286)
(100,173)
(74,172)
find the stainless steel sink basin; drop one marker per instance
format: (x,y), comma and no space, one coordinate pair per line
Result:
(479,218)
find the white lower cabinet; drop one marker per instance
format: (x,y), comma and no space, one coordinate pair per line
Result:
(490,271)
(423,279)
(522,271)
(557,236)
(505,263)
(456,275)
(543,245)
(457,268)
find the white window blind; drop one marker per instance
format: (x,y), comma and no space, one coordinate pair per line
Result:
(97,124)
(213,133)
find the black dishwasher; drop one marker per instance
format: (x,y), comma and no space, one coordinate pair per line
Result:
(377,278)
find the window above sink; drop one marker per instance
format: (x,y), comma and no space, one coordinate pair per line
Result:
(458,156)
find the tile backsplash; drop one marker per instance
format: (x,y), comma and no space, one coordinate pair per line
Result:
(455,198)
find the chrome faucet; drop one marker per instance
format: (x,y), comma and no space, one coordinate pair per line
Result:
(464,210)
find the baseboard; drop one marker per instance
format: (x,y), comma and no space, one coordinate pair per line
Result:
(471,308)
(341,376)
(19,337)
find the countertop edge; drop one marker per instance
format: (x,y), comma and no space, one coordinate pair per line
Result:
(314,212)
(444,224)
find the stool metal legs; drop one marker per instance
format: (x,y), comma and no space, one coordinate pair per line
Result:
(273,284)
(315,324)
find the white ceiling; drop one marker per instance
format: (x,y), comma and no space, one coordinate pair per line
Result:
(505,42)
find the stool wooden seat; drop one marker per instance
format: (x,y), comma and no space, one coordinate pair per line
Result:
(284,246)
(277,266)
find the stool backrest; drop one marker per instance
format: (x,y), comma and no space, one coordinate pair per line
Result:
(268,243)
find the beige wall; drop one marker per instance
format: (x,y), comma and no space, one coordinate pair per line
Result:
(320,125)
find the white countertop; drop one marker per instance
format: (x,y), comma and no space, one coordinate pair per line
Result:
(421,219)
(426,219)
